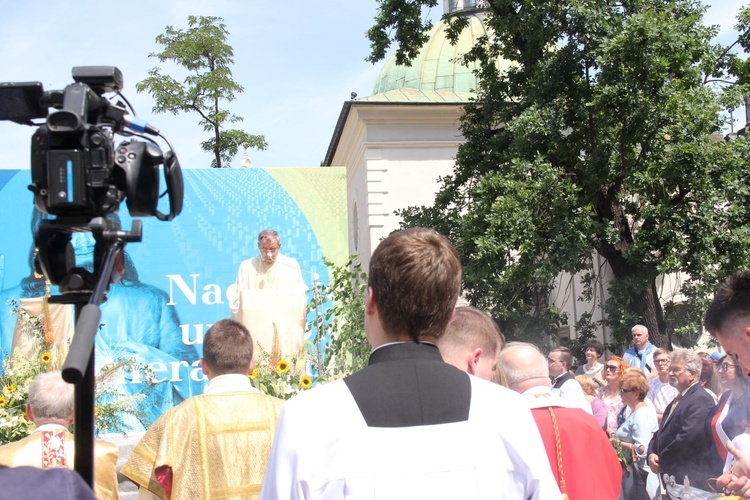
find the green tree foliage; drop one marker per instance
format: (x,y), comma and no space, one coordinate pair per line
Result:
(595,151)
(340,331)
(202,50)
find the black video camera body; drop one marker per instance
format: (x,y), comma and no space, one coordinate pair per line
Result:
(76,172)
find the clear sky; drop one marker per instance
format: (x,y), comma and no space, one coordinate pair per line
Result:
(298,61)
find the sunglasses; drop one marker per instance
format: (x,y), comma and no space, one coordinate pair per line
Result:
(725,367)
(625,391)
(611,367)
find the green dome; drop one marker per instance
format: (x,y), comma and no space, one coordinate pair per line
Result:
(436,70)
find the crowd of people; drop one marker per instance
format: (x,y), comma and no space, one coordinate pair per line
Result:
(445,409)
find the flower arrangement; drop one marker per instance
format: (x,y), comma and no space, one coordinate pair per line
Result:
(41,355)
(280,377)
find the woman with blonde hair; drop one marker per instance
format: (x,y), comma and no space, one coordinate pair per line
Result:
(614,367)
(598,410)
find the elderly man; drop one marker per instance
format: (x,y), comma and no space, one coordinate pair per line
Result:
(51,407)
(216,444)
(400,428)
(472,342)
(565,385)
(683,445)
(577,449)
(641,355)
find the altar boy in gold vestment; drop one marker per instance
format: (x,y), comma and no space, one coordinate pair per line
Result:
(215,445)
(51,406)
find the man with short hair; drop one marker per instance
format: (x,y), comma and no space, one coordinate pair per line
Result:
(660,391)
(728,320)
(728,317)
(51,407)
(269,298)
(472,342)
(641,355)
(216,444)
(683,445)
(570,437)
(565,384)
(400,428)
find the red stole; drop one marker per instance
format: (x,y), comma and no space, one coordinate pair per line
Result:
(581,441)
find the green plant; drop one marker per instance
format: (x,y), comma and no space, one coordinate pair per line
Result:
(19,370)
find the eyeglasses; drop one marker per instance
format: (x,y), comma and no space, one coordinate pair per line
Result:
(724,367)
(551,361)
(625,391)
(661,361)
(613,368)
(676,371)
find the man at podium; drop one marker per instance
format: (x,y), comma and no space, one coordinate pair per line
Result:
(268,297)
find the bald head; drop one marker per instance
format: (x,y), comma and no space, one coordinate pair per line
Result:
(524,366)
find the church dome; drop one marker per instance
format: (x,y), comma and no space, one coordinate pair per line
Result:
(436,71)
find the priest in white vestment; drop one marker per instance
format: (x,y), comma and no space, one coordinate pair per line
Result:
(269,296)
(409,425)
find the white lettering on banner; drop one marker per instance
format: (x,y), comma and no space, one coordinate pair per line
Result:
(212,295)
(200,329)
(212,292)
(195,373)
(186,291)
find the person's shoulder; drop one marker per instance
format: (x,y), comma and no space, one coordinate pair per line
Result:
(26,482)
(323,394)
(630,351)
(488,393)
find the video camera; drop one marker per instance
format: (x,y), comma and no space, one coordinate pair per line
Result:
(78,176)
(76,171)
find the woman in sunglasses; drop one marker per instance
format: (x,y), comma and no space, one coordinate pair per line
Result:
(610,393)
(726,420)
(635,433)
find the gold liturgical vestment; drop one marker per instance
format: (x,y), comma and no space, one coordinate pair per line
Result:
(52,445)
(209,446)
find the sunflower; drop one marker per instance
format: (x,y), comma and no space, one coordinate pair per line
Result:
(305,381)
(253,374)
(9,389)
(3,401)
(45,358)
(282,366)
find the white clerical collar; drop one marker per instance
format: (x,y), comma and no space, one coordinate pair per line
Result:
(231,382)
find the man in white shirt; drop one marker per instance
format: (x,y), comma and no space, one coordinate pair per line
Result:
(403,426)
(565,385)
(660,391)
(641,355)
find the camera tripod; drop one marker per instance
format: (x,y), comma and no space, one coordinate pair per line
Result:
(86,290)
